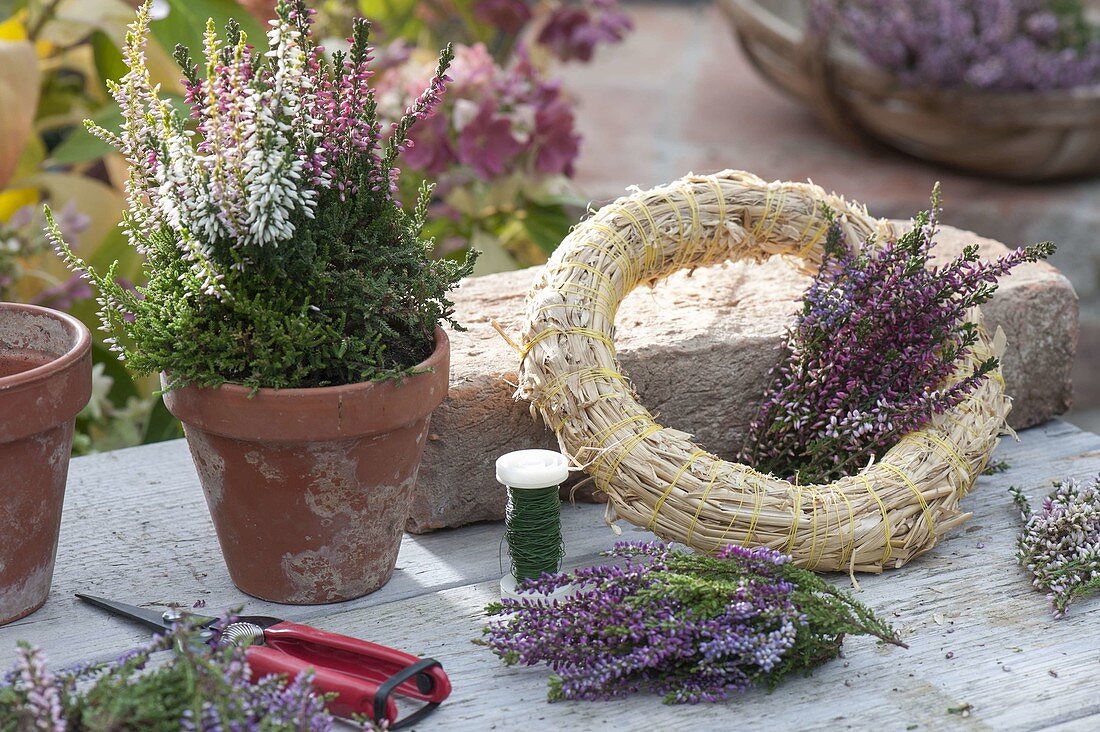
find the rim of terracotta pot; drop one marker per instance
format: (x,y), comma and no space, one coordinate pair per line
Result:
(82,343)
(315,413)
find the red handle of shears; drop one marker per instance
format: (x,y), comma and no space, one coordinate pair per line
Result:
(351,668)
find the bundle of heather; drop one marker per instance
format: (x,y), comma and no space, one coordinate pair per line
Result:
(871,355)
(197,687)
(1060,543)
(689,627)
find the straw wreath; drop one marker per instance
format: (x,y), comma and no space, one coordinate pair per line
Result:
(655,476)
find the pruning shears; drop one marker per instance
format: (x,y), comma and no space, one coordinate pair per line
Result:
(364,676)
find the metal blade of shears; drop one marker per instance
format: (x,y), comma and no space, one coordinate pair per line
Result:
(155,619)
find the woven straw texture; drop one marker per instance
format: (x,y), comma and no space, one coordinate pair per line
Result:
(654,475)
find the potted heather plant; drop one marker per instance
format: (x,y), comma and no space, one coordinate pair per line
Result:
(292,306)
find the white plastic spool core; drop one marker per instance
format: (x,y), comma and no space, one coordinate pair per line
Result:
(530,469)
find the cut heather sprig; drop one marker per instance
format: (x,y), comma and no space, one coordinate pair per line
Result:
(276,253)
(198,687)
(690,627)
(882,343)
(1060,543)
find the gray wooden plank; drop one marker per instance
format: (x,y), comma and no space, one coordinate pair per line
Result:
(136,528)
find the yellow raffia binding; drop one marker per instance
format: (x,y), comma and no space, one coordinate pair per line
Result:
(654,475)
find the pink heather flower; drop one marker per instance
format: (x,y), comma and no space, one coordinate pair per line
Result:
(486,143)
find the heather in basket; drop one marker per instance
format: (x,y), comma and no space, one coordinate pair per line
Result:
(276,254)
(876,350)
(1003,45)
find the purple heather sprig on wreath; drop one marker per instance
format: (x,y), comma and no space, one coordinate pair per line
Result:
(690,627)
(882,344)
(1060,543)
(1003,45)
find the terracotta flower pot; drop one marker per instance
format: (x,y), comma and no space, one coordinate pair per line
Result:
(309,489)
(45,379)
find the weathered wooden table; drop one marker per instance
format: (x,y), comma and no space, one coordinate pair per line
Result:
(981,639)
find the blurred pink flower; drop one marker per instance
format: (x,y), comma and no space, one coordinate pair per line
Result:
(573,31)
(557,143)
(486,143)
(473,70)
(507,15)
(433,152)
(66,294)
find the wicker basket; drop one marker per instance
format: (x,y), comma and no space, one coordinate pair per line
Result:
(654,475)
(1022,136)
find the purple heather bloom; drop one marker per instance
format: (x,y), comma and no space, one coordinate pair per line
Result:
(880,346)
(628,628)
(226,698)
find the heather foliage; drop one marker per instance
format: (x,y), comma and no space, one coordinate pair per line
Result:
(276,253)
(690,627)
(198,688)
(1060,543)
(1003,45)
(881,345)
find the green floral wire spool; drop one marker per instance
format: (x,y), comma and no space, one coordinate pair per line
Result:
(533,531)
(653,475)
(533,516)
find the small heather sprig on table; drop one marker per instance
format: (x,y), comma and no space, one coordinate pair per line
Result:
(1060,543)
(882,343)
(198,688)
(690,627)
(1003,45)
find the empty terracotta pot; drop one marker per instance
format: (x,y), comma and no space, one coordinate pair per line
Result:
(45,379)
(310,489)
